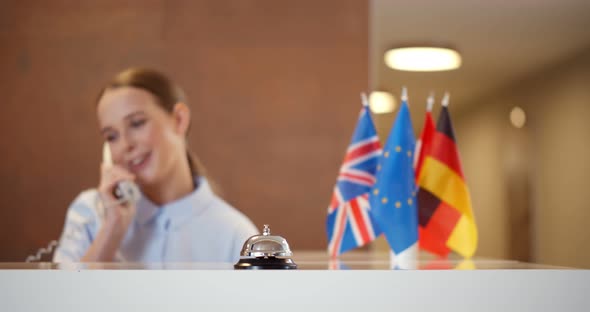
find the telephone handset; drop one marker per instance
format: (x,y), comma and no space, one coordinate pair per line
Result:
(126,191)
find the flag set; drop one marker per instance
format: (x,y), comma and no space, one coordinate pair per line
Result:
(412,192)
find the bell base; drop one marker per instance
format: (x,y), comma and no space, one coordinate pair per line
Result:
(270,263)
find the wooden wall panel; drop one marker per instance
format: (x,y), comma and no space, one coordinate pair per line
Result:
(273,86)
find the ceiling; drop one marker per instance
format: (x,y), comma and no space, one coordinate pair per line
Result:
(501,42)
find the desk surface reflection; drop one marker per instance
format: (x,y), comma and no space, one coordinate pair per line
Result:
(306,260)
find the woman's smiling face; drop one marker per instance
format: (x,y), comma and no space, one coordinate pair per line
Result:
(143,137)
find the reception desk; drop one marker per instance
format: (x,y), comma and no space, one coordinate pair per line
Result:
(357,282)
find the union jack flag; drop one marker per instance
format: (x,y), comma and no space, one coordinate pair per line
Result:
(349,224)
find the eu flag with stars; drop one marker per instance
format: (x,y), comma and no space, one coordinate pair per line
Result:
(393,198)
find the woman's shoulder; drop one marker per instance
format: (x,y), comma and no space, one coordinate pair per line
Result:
(222,208)
(216,209)
(87,196)
(224,212)
(84,208)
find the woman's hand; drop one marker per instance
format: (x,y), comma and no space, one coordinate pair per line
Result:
(117,215)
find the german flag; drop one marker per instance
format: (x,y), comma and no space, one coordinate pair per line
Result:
(444,205)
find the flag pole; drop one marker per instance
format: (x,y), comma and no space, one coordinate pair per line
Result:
(404,96)
(364,99)
(430,102)
(445,100)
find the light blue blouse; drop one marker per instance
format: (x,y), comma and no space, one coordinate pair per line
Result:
(199,227)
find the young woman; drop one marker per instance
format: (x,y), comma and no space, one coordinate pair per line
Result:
(144,120)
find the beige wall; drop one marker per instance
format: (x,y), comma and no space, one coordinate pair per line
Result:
(479,144)
(529,185)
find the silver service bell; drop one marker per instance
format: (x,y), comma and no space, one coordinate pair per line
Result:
(265,252)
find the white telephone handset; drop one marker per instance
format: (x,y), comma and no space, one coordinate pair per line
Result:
(126,191)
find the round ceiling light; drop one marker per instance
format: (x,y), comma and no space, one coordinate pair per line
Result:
(381,102)
(423,59)
(517,117)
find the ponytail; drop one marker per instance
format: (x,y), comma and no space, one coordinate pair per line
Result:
(198,170)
